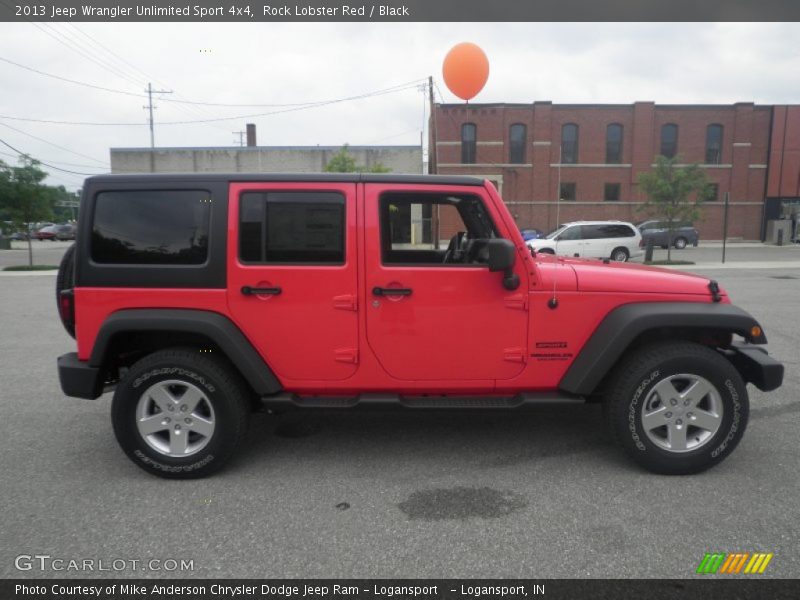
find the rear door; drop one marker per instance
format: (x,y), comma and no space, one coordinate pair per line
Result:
(292,277)
(434,311)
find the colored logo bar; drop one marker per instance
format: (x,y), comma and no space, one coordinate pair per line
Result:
(734,563)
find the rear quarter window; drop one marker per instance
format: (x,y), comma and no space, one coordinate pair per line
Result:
(151,227)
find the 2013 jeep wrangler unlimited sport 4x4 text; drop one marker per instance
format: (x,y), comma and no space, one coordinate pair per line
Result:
(199,297)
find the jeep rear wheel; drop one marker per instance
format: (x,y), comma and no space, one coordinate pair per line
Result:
(677,407)
(180,414)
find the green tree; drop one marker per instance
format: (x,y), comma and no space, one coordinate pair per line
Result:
(674,193)
(343,162)
(23,198)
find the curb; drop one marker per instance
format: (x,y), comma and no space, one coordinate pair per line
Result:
(28,273)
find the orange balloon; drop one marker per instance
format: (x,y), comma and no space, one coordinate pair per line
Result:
(465,70)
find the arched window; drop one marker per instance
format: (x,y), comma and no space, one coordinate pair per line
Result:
(516,146)
(614,144)
(669,140)
(469,143)
(569,144)
(714,144)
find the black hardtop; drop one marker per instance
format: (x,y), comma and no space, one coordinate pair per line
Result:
(150,178)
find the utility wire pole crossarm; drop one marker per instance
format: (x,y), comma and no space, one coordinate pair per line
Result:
(150,91)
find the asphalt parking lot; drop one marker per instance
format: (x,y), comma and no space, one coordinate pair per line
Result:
(536,494)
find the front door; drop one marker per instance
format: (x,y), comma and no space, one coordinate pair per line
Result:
(434,311)
(292,277)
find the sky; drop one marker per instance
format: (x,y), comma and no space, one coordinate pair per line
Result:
(292,64)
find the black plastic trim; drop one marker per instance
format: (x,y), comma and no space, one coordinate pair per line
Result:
(624,324)
(211,274)
(78,379)
(186,178)
(215,326)
(756,366)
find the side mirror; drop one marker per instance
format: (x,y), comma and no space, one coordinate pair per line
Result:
(502,256)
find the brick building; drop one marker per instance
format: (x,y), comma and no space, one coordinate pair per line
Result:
(593,155)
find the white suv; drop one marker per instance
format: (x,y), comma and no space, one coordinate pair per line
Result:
(616,240)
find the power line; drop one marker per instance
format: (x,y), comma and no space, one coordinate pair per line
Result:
(58,162)
(217,119)
(30,135)
(21,153)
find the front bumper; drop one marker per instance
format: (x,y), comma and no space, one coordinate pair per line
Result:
(756,366)
(78,379)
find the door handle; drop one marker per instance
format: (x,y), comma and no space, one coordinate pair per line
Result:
(253,291)
(379,291)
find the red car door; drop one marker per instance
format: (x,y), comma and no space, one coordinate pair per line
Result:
(430,316)
(292,276)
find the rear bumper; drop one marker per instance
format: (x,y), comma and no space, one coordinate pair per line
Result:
(756,366)
(78,379)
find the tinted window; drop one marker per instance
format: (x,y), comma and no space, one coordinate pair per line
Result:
(469,137)
(611,192)
(567,191)
(151,227)
(713,144)
(614,144)
(569,144)
(516,136)
(292,227)
(669,140)
(606,231)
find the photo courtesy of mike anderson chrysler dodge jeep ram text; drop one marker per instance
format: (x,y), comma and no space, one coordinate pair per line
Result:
(199,298)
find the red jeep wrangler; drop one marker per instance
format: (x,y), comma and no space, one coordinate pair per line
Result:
(198,298)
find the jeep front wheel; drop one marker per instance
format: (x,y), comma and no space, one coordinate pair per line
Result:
(178,413)
(677,407)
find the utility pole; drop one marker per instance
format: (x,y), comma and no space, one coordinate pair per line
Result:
(241,135)
(150,91)
(432,133)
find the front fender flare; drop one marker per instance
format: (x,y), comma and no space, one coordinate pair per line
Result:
(625,323)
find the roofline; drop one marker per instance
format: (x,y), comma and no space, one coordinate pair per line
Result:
(288,177)
(608,106)
(254,148)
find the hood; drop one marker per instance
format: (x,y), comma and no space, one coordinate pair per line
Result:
(597,276)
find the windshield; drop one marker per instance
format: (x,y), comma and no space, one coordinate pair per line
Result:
(555,232)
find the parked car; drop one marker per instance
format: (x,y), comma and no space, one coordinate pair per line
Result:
(19,236)
(683,234)
(296,291)
(65,232)
(531,233)
(48,232)
(617,240)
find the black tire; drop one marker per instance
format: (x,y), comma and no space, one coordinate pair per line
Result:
(648,366)
(620,254)
(546,251)
(65,280)
(680,243)
(223,390)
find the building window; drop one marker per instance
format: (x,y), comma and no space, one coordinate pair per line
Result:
(614,144)
(669,140)
(567,191)
(713,193)
(569,144)
(611,192)
(516,148)
(469,144)
(714,144)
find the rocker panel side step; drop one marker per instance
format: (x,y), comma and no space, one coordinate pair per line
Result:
(371,401)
